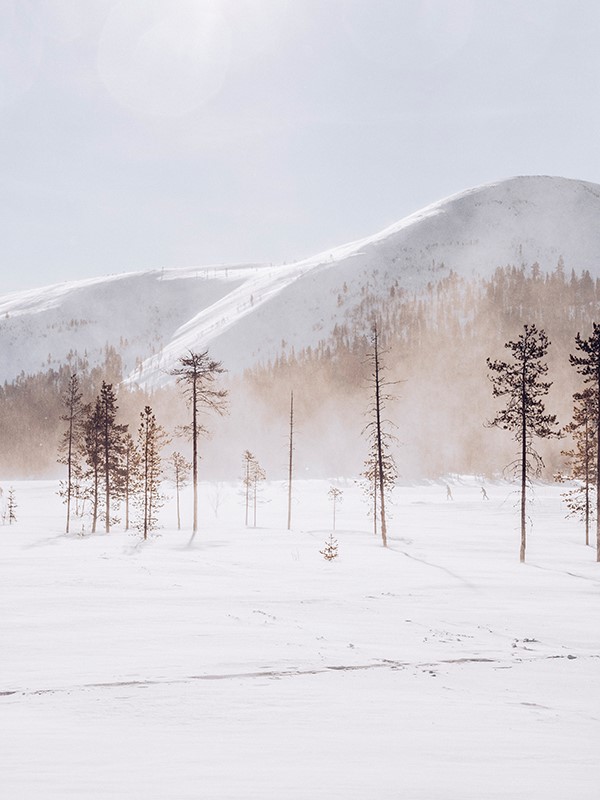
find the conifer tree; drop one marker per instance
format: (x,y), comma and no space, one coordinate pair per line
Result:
(180,471)
(588,365)
(520,382)
(380,468)
(112,442)
(330,551)
(247,462)
(335,495)
(257,475)
(197,373)
(290,462)
(11,506)
(71,446)
(93,457)
(129,474)
(581,458)
(151,439)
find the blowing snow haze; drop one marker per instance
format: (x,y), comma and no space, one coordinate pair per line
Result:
(251,314)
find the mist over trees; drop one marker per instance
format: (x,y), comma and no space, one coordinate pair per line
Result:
(438,340)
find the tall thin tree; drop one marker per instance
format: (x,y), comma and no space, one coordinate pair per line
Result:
(151,439)
(71,445)
(248,460)
(290,462)
(588,365)
(381,472)
(581,458)
(180,470)
(197,374)
(113,445)
(520,382)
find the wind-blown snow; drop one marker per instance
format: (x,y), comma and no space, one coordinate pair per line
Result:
(248,667)
(245,312)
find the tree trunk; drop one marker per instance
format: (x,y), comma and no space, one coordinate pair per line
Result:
(195,455)
(523,465)
(247,488)
(379,446)
(290,467)
(587,480)
(598,465)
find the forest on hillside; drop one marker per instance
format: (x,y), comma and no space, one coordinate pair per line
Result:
(434,346)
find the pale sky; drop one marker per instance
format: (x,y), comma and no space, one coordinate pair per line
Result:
(164,133)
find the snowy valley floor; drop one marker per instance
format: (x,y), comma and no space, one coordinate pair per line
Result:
(246,666)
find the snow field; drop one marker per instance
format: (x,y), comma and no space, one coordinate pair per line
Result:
(246,666)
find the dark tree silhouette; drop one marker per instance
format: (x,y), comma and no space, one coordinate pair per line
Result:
(112,442)
(380,468)
(93,457)
(197,373)
(588,365)
(520,382)
(581,458)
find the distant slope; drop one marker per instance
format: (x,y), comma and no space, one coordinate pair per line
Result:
(245,313)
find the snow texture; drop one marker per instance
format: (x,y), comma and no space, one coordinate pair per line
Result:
(245,312)
(247,666)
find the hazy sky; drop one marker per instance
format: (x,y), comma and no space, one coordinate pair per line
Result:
(150,133)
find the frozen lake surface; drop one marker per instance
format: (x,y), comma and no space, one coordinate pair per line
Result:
(246,666)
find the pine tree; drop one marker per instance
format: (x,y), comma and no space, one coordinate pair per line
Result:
(129,474)
(151,439)
(247,462)
(197,373)
(11,506)
(71,448)
(335,496)
(520,382)
(380,468)
(330,551)
(93,457)
(180,471)
(112,443)
(588,365)
(290,462)
(257,475)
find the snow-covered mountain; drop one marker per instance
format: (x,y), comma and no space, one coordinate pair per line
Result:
(246,313)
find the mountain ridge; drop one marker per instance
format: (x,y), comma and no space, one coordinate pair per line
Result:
(244,312)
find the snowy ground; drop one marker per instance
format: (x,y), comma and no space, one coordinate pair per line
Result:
(247,666)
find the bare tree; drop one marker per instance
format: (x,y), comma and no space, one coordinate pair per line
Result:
(381,473)
(197,373)
(520,381)
(588,365)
